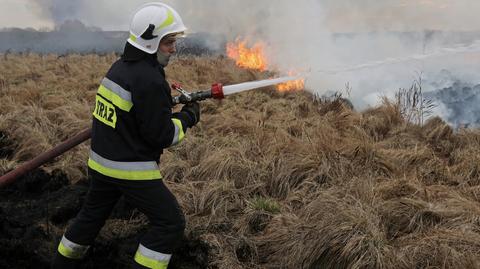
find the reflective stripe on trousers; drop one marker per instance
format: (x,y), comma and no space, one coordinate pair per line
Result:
(72,250)
(152,259)
(124,170)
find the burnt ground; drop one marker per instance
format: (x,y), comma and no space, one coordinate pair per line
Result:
(36,209)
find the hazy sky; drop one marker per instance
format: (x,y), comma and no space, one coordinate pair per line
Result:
(339,15)
(16,13)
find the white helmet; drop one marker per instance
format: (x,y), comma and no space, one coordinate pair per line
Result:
(151,23)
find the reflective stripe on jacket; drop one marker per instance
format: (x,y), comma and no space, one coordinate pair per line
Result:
(133,120)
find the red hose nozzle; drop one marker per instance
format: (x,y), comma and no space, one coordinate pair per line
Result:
(217,91)
(176,86)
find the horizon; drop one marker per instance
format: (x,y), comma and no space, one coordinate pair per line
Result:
(100,29)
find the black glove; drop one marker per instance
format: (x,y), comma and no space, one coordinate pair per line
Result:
(193,112)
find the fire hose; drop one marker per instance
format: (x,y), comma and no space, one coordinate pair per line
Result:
(217,91)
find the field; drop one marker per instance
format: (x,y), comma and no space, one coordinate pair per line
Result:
(266,180)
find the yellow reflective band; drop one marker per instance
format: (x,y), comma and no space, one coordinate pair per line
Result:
(150,263)
(105,112)
(179,134)
(169,21)
(115,99)
(124,174)
(75,251)
(133,38)
(68,253)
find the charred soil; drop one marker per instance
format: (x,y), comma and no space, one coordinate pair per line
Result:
(35,210)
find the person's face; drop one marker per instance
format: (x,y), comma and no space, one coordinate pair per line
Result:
(168,45)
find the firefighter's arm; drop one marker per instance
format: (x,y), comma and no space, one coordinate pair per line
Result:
(188,117)
(153,112)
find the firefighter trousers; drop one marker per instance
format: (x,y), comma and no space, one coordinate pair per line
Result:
(151,197)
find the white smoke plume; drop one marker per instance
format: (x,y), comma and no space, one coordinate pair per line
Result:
(390,39)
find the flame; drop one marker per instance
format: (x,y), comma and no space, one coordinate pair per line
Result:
(252,58)
(294,85)
(255,58)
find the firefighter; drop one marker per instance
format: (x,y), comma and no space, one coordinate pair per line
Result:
(132,124)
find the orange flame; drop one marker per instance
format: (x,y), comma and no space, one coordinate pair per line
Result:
(252,58)
(255,58)
(293,85)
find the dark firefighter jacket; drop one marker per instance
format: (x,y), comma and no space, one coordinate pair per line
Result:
(133,120)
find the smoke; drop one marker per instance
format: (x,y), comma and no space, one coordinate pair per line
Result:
(106,14)
(453,101)
(57,10)
(376,47)
(381,46)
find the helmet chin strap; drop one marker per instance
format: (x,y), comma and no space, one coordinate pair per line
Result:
(162,58)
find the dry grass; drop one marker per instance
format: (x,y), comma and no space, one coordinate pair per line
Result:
(278,180)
